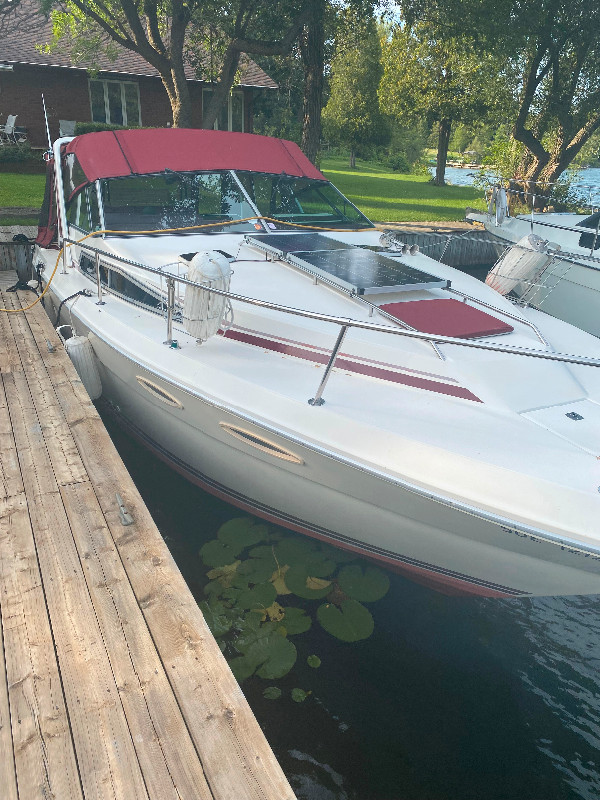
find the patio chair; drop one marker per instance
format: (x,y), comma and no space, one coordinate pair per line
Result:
(7,131)
(66,127)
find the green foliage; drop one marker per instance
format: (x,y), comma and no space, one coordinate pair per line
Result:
(17,154)
(299,695)
(93,127)
(272,693)
(350,621)
(247,597)
(352,116)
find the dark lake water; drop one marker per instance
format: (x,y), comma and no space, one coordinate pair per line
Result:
(449,699)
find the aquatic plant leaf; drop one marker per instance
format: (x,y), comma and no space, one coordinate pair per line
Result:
(296,579)
(242,532)
(216,618)
(249,635)
(217,554)
(258,570)
(213,589)
(296,620)
(349,622)
(299,695)
(275,654)
(337,554)
(260,596)
(272,693)
(278,580)
(275,612)
(316,584)
(223,574)
(313,661)
(366,584)
(293,550)
(242,668)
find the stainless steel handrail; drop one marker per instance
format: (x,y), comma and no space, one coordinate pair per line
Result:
(344,322)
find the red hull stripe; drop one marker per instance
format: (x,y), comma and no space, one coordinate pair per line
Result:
(352,366)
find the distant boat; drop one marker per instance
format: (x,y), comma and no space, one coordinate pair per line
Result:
(251,326)
(553,264)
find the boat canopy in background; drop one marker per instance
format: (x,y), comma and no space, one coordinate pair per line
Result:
(114,154)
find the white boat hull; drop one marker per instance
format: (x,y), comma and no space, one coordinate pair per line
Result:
(429,537)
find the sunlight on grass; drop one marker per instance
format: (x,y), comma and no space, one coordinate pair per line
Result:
(21,191)
(386,196)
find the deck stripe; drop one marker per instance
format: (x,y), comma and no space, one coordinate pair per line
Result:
(299,351)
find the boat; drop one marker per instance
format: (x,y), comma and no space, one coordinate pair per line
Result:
(257,332)
(552,261)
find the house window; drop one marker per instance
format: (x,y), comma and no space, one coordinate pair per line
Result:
(115,102)
(231,115)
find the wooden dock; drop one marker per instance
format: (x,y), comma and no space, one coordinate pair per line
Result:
(111,684)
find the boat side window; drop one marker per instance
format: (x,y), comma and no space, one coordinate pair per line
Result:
(590,240)
(116,282)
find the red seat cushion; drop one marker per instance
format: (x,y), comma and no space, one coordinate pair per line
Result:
(447,318)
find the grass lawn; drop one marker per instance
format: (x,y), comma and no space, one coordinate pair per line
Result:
(386,196)
(383,195)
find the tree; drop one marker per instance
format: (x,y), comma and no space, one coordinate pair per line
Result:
(552,49)
(352,116)
(439,77)
(158,31)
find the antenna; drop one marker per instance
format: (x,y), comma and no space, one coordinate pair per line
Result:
(47,128)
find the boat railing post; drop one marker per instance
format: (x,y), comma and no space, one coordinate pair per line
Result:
(595,236)
(99,281)
(317,400)
(64,257)
(170,308)
(532,209)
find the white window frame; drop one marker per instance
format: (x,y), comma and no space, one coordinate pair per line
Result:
(229,109)
(122,84)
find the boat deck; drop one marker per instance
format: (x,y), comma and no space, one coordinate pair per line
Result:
(111,685)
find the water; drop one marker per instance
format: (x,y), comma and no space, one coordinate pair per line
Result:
(450,698)
(586,185)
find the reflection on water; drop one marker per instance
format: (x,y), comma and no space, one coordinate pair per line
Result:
(449,699)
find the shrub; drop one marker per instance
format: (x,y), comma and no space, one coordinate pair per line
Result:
(17,154)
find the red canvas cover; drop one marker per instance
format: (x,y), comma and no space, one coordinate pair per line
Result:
(111,154)
(447,318)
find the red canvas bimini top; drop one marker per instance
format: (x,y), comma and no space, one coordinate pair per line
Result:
(113,154)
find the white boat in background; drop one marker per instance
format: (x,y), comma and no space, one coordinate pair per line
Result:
(256,331)
(553,261)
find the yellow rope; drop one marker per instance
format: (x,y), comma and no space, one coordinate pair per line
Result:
(165,230)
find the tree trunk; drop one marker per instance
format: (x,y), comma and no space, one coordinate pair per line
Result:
(223,87)
(442,153)
(312,42)
(352,158)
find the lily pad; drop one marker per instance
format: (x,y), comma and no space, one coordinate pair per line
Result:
(349,622)
(260,596)
(260,569)
(272,693)
(302,583)
(337,554)
(292,550)
(296,620)
(217,618)
(274,656)
(242,668)
(242,532)
(366,584)
(313,661)
(224,574)
(278,580)
(218,554)
(299,695)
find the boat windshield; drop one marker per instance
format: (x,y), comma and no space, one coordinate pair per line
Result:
(302,201)
(175,200)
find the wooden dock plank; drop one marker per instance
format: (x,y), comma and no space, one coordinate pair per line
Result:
(163,658)
(168,758)
(42,757)
(8,776)
(105,754)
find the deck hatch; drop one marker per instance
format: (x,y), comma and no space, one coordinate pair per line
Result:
(354,269)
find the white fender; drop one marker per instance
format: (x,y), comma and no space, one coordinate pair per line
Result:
(81,353)
(203,311)
(523,262)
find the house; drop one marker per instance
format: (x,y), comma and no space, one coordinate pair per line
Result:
(126,90)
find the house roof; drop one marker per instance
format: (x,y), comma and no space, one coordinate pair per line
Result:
(24,33)
(111,154)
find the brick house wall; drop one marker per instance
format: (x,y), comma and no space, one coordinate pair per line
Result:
(66,93)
